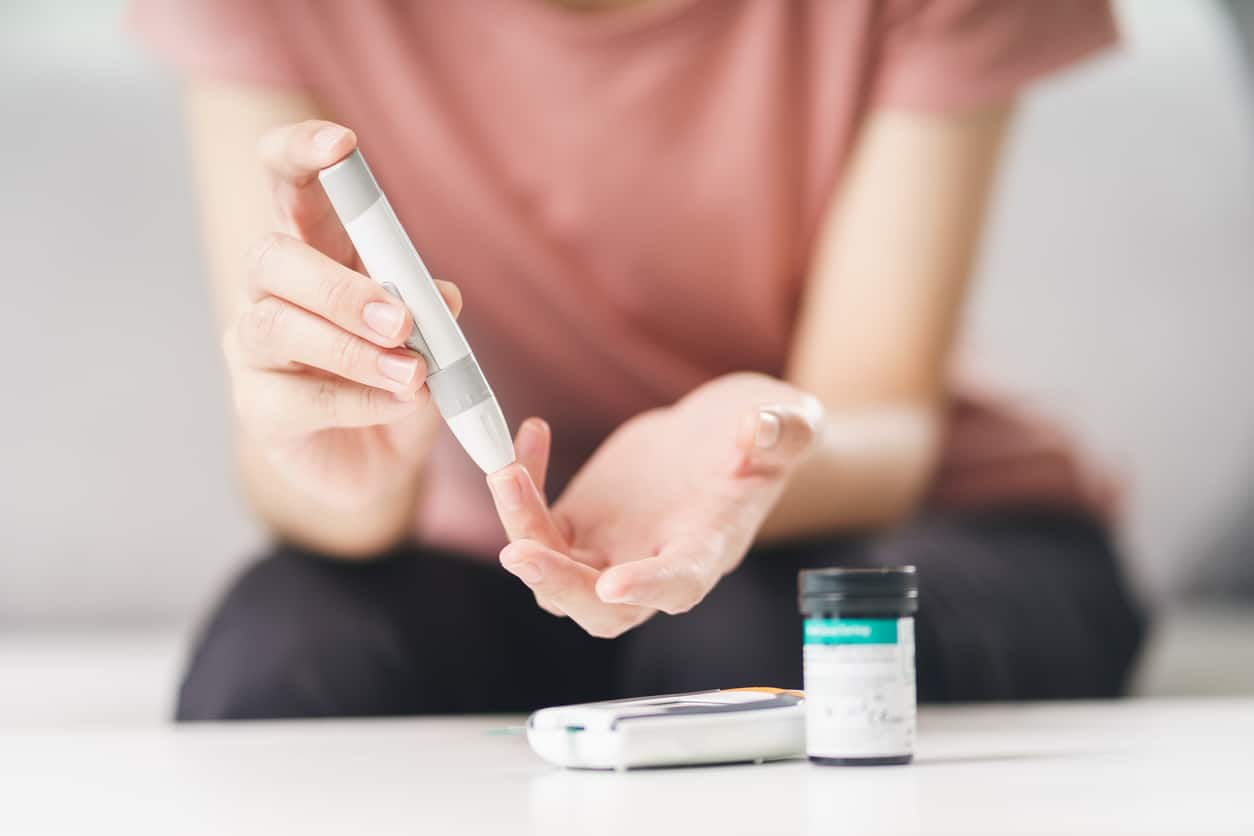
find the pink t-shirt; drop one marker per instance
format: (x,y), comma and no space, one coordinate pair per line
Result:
(629,198)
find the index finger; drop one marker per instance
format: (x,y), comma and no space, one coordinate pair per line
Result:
(292,270)
(293,155)
(674,581)
(522,509)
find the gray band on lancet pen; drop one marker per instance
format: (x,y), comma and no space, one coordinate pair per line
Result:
(350,186)
(458,387)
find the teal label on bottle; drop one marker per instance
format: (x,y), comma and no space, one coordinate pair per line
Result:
(851,631)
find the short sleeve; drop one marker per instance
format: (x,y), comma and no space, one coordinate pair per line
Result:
(951,54)
(235,40)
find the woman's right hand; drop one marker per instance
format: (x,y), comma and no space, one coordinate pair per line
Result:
(322,381)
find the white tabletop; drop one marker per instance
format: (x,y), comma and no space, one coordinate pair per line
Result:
(1128,767)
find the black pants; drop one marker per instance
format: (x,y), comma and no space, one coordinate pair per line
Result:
(1014,604)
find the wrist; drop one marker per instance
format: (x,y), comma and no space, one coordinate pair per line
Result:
(870,467)
(353,527)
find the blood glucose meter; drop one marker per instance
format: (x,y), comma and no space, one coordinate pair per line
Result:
(727,726)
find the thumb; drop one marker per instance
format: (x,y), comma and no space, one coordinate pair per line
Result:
(452,296)
(293,155)
(774,438)
(674,581)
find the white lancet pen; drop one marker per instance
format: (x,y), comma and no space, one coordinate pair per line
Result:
(457,385)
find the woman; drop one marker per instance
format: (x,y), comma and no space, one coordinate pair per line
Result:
(722,246)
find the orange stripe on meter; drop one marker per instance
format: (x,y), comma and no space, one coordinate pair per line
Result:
(766,689)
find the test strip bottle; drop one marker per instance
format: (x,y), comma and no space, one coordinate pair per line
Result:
(859,665)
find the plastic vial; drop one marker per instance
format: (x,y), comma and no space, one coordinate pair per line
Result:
(859,665)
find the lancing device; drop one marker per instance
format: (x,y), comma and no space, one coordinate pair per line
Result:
(457,385)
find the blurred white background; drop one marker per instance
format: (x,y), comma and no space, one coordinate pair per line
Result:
(1116,290)
(117,503)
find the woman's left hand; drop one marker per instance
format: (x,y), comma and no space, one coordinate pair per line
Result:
(668,504)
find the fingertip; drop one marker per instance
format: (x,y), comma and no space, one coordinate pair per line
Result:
(515,553)
(532,443)
(614,587)
(404,330)
(522,565)
(414,392)
(407,322)
(758,435)
(452,296)
(768,429)
(295,151)
(385,320)
(530,433)
(774,438)
(332,142)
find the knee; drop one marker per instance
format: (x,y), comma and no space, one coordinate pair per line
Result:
(746,632)
(1018,605)
(295,637)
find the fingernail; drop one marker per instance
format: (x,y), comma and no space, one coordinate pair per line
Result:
(325,138)
(618,596)
(528,572)
(767,435)
(612,590)
(525,441)
(507,490)
(383,318)
(400,369)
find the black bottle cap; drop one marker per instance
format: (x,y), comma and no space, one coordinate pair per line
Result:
(863,590)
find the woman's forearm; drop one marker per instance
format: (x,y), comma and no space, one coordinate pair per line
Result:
(881,311)
(868,468)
